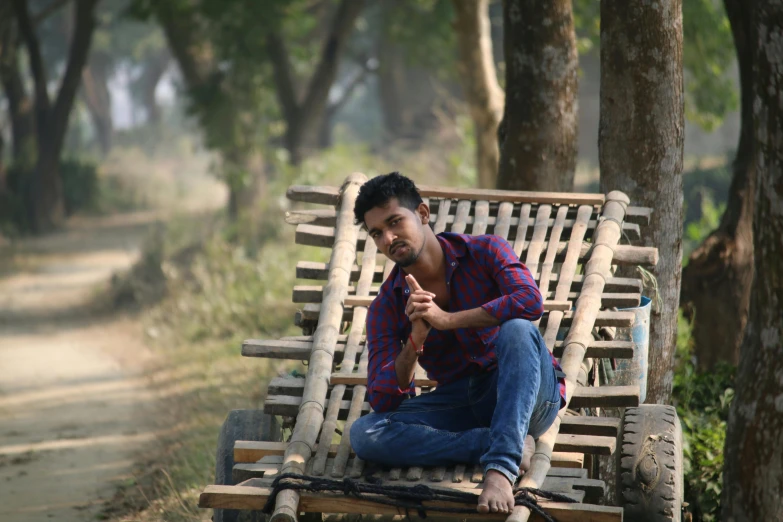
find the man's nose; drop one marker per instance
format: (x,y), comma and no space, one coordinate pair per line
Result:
(388,238)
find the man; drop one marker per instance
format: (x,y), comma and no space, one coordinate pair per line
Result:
(461,306)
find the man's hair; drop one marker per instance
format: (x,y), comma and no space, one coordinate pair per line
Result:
(379,190)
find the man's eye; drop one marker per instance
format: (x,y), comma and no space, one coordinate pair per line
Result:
(395,222)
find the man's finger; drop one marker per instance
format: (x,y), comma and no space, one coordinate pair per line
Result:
(412,283)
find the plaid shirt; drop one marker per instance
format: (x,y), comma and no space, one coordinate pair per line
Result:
(481,271)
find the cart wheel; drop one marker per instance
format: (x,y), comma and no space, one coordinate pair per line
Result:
(241,425)
(649,464)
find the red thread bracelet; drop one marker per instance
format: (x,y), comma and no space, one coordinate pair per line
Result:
(415,348)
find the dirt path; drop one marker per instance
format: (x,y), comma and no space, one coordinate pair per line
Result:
(73,405)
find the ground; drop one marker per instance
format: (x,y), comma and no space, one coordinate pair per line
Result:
(74,409)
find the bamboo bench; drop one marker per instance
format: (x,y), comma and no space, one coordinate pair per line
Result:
(570,243)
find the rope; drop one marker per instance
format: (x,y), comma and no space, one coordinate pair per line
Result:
(406,497)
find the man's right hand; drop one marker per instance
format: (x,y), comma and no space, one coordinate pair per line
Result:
(420,328)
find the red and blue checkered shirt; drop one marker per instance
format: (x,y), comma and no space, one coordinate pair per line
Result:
(481,271)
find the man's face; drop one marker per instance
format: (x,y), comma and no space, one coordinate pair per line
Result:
(397,231)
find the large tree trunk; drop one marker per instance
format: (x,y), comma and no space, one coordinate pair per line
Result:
(97,97)
(716,282)
(538,139)
(641,135)
(44,193)
(753,473)
(480,84)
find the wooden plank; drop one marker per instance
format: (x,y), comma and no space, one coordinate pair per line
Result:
(311,311)
(249,451)
(325,217)
(313,294)
(312,235)
(317,271)
(289,406)
(481,219)
(254,498)
(605,397)
(585,425)
(517,196)
(503,222)
(590,444)
(313,194)
(603,349)
(594,489)
(353,300)
(560,459)
(461,216)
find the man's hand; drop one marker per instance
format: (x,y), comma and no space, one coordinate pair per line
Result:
(422,308)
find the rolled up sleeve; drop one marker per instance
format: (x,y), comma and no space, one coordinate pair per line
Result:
(520,297)
(383,343)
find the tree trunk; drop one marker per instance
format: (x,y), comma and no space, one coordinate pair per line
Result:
(44,195)
(480,83)
(97,97)
(716,282)
(20,105)
(640,143)
(538,142)
(753,473)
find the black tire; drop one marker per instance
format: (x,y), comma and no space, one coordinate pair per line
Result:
(649,464)
(241,425)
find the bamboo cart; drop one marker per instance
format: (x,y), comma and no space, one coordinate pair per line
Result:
(572,244)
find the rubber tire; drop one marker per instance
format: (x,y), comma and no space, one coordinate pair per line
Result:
(241,425)
(649,464)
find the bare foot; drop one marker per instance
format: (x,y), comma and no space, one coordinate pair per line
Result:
(497,495)
(527,454)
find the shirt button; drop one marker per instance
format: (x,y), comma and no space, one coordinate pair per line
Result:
(453,263)
(407,291)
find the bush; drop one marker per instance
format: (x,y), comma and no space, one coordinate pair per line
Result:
(702,401)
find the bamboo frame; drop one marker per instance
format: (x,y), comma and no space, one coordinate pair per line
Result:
(311,413)
(598,268)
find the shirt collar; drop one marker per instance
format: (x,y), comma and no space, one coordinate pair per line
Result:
(454,248)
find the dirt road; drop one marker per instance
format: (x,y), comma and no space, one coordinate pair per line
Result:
(72,398)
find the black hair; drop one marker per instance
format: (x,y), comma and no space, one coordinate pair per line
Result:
(380,189)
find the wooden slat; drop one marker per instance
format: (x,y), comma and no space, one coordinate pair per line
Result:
(569,198)
(567,460)
(461,216)
(623,254)
(352,300)
(313,294)
(503,222)
(254,498)
(443,217)
(481,219)
(317,271)
(288,405)
(520,243)
(591,444)
(312,194)
(585,425)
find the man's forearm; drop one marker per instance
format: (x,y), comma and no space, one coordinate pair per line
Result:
(474,318)
(405,363)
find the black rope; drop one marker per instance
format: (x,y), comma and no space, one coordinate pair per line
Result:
(407,497)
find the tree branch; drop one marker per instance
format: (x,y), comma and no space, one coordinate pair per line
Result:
(357,80)
(77,58)
(325,73)
(42,103)
(283,77)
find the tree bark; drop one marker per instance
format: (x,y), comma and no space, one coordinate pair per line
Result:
(480,83)
(538,140)
(303,118)
(716,282)
(20,105)
(44,193)
(641,136)
(753,472)
(97,97)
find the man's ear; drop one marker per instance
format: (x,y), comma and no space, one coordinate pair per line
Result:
(424,213)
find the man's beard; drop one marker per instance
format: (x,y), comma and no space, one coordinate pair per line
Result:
(412,256)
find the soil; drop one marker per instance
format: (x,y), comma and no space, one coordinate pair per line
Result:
(74,409)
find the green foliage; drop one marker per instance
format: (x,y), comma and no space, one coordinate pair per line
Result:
(697,231)
(705,191)
(708,56)
(702,401)
(80,185)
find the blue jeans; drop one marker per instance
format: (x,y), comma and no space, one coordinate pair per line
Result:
(481,419)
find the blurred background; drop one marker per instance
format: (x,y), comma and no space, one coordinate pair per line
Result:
(145,148)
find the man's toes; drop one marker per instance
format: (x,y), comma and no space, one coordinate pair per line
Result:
(483,507)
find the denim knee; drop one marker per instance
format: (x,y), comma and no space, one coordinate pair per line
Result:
(360,439)
(519,331)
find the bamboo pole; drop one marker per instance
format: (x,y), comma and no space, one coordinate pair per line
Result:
(607,235)
(311,412)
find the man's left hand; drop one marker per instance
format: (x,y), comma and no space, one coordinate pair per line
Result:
(432,313)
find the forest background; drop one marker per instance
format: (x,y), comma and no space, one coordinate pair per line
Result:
(212,108)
